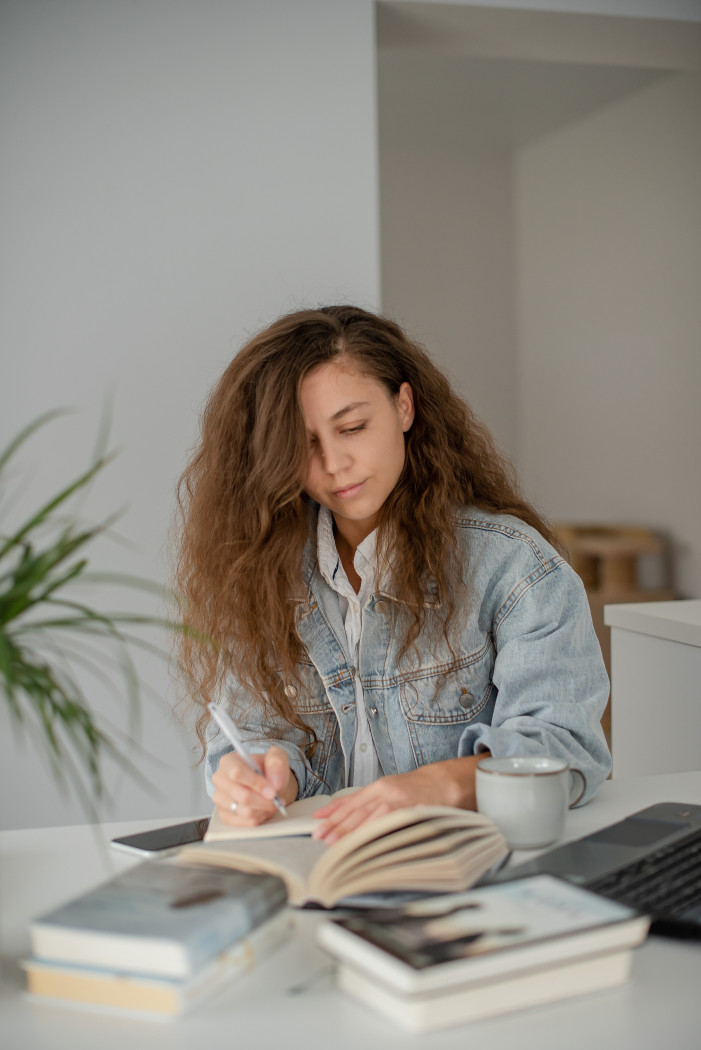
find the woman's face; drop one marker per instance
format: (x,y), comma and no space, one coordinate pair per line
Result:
(356,444)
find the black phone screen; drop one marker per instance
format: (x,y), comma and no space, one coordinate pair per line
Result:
(164,838)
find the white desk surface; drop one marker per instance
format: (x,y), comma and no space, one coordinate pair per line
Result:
(290,1002)
(678,621)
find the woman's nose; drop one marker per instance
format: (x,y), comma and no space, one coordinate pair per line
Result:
(334,457)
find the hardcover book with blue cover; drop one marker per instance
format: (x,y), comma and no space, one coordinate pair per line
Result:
(158,918)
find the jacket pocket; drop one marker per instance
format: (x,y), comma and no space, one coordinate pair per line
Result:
(440,699)
(441,702)
(448,691)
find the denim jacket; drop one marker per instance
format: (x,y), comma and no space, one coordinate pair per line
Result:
(529,676)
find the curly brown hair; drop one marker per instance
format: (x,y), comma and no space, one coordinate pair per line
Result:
(244,518)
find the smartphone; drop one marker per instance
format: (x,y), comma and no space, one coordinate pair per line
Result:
(161,840)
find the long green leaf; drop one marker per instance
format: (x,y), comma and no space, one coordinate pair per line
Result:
(44,512)
(27,432)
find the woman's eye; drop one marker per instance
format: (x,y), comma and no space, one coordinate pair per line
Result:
(354,430)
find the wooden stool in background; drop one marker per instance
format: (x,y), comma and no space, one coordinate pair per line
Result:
(606,557)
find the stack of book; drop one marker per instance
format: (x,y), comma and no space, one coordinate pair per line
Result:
(443,961)
(157,939)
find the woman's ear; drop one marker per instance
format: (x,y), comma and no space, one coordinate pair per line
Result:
(405,406)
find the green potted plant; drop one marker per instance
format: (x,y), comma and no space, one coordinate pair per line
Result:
(51,641)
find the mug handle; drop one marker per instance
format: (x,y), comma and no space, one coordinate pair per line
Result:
(577,786)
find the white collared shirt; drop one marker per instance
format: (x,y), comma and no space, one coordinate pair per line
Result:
(364,764)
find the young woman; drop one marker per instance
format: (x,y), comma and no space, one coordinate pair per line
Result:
(388,608)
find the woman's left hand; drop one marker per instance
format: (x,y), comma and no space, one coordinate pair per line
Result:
(450,783)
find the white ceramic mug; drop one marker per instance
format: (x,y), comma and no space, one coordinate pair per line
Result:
(527,797)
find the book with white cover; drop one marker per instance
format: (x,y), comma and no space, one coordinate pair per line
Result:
(481,938)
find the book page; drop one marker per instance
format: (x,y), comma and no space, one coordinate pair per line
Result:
(300,821)
(289,857)
(416,840)
(399,830)
(442,865)
(416,867)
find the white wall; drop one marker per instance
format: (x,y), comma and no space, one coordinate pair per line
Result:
(175,174)
(609,318)
(460,88)
(580,348)
(447,228)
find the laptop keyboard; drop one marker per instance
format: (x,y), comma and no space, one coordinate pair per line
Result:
(665,884)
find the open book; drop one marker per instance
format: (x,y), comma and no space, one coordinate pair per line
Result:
(424,848)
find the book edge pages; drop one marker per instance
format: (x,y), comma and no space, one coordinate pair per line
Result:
(413,824)
(374,853)
(462,1005)
(439,873)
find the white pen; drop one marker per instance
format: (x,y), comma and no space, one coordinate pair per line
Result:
(230,731)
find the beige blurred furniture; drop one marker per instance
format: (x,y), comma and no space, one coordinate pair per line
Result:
(656,682)
(607,558)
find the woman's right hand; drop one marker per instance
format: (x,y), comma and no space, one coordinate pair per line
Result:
(245,799)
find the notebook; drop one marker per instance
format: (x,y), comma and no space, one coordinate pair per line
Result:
(650,860)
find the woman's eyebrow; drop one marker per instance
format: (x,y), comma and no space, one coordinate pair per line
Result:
(349,408)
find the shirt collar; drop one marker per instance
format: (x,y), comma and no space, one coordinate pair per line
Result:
(327,553)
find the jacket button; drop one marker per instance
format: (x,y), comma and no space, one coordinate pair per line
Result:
(381,606)
(373,712)
(290,691)
(467,699)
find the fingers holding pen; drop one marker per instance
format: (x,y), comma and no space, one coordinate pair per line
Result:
(243,798)
(276,770)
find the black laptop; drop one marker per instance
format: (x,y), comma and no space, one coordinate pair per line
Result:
(651,861)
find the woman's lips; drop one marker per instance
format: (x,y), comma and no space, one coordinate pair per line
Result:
(348,490)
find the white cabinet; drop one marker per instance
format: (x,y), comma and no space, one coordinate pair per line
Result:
(655,687)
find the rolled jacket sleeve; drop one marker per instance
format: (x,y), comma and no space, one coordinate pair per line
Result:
(550,678)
